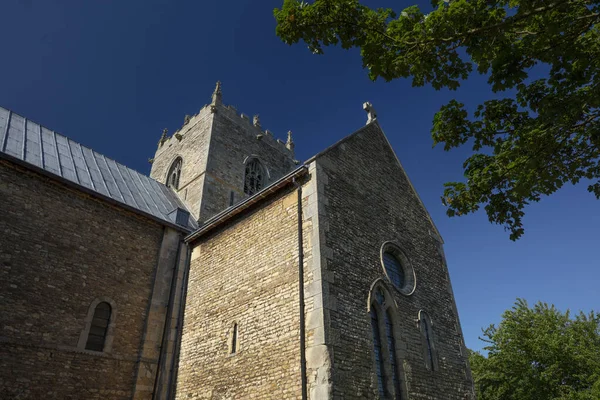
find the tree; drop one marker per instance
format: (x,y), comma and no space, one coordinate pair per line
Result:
(543,134)
(539,353)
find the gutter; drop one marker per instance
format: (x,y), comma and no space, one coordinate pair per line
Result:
(164,344)
(172,385)
(229,213)
(302,324)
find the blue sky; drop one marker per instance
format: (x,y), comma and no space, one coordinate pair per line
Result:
(113,74)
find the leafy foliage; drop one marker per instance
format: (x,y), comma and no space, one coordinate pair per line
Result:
(539,353)
(526,145)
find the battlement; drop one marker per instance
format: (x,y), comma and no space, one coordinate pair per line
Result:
(251,127)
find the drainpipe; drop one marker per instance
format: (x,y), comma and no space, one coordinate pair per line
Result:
(164,345)
(178,334)
(301,295)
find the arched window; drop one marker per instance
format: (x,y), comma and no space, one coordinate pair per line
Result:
(254,177)
(429,352)
(99,327)
(382,309)
(174,174)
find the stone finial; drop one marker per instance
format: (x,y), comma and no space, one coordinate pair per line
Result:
(163,137)
(256,121)
(217,96)
(186,119)
(289,144)
(371,113)
(151,160)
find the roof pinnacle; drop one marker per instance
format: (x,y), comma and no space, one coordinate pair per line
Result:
(289,144)
(163,137)
(217,96)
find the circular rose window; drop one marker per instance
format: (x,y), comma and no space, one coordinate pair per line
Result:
(397,268)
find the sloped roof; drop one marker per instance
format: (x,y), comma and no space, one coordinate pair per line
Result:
(58,155)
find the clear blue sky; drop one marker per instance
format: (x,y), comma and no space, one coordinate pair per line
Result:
(113,74)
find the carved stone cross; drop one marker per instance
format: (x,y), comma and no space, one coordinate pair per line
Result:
(371,113)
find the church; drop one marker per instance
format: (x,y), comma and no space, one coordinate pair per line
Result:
(233,271)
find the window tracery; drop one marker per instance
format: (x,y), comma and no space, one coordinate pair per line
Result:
(174,174)
(254,177)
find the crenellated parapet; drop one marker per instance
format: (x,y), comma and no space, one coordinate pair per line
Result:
(251,126)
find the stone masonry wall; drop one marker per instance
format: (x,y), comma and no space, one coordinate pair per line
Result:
(60,250)
(234,139)
(193,149)
(368,201)
(246,273)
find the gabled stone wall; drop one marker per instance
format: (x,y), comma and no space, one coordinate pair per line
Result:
(368,201)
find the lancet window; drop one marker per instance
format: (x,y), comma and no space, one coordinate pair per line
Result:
(429,351)
(382,311)
(99,327)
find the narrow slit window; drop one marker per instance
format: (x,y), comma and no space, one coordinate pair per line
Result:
(99,327)
(426,329)
(231,198)
(234,339)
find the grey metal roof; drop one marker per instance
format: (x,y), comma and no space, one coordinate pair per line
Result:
(54,153)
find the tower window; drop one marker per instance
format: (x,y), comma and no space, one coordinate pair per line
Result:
(99,327)
(254,177)
(174,174)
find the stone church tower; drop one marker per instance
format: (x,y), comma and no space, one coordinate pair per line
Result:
(234,271)
(205,161)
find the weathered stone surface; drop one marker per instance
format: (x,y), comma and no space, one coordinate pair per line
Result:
(60,250)
(246,273)
(370,201)
(215,145)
